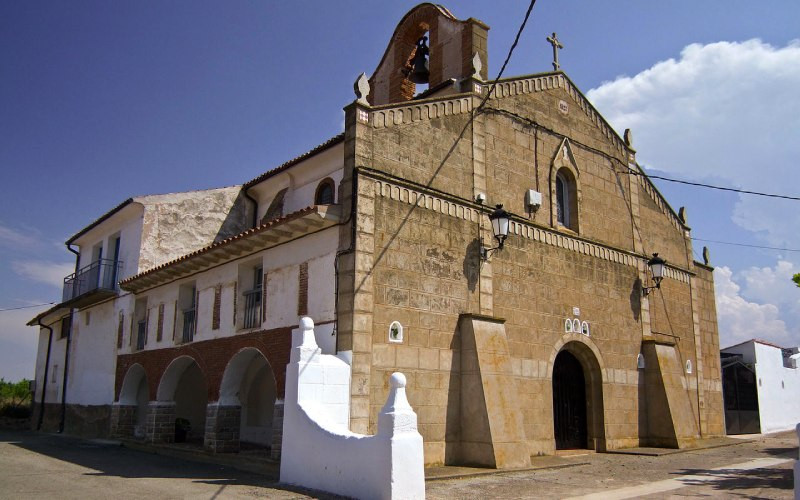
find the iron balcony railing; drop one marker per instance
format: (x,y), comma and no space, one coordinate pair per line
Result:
(141,333)
(188,325)
(100,275)
(252,308)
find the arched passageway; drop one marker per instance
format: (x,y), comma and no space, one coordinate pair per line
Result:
(578,420)
(249,384)
(131,407)
(185,384)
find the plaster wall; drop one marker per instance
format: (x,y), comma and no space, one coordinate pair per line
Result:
(176,224)
(127,224)
(301,180)
(281,266)
(778,387)
(93,357)
(55,374)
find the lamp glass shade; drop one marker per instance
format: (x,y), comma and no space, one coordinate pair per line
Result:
(656,265)
(500,219)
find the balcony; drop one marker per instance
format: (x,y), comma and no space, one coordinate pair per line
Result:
(141,334)
(189,325)
(252,308)
(93,283)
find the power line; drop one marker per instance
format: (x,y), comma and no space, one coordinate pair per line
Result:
(27,307)
(748,245)
(711,186)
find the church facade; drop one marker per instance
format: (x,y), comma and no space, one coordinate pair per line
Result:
(557,339)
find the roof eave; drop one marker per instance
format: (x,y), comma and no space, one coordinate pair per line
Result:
(293,226)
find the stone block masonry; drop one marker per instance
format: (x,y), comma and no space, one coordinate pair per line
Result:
(222,428)
(160,422)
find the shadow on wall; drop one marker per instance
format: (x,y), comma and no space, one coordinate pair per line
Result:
(636,299)
(472,263)
(239,218)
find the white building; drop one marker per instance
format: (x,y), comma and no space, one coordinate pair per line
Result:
(761,385)
(196,269)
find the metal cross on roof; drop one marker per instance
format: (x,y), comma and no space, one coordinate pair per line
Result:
(556,45)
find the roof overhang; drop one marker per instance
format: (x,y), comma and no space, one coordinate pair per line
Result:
(293,226)
(50,316)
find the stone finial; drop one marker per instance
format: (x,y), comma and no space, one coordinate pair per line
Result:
(682,214)
(706,256)
(477,66)
(397,416)
(361,88)
(628,136)
(304,343)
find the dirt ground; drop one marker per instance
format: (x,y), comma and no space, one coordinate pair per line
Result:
(45,466)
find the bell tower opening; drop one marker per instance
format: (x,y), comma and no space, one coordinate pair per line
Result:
(429,49)
(419,72)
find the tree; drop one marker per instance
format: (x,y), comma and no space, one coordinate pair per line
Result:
(796,279)
(14,394)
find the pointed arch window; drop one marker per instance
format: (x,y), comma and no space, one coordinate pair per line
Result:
(562,200)
(566,199)
(325,192)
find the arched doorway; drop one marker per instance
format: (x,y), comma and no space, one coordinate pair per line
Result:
(134,395)
(184,383)
(249,383)
(578,409)
(569,402)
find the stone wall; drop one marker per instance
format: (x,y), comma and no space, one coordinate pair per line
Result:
(416,261)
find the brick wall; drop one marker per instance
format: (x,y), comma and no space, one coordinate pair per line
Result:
(212,356)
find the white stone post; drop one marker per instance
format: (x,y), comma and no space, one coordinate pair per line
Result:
(398,422)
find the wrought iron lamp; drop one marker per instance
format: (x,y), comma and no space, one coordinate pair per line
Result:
(656,265)
(500,223)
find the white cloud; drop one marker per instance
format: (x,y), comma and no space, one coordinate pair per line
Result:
(14,238)
(51,273)
(726,111)
(740,320)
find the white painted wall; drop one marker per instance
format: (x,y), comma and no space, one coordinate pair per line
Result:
(301,180)
(92,361)
(320,452)
(778,390)
(281,264)
(55,375)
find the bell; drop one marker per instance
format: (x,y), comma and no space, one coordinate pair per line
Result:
(420,72)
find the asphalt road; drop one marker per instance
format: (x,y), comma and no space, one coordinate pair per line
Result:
(49,466)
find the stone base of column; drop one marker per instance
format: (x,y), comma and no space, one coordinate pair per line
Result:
(160,422)
(123,420)
(222,428)
(277,431)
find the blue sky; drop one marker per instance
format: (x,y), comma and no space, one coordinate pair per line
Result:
(101,100)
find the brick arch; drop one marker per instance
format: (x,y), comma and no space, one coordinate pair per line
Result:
(235,371)
(212,356)
(171,376)
(452,42)
(130,384)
